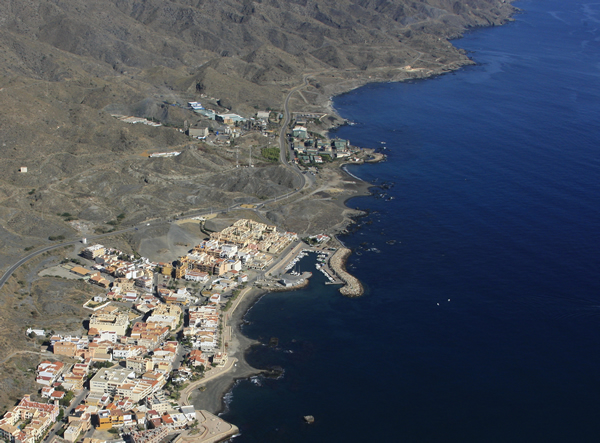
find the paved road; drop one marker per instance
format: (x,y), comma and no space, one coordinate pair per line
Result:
(28,257)
(283,145)
(25,259)
(210,375)
(76,401)
(283,149)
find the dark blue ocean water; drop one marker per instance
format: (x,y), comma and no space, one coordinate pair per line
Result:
(482,322)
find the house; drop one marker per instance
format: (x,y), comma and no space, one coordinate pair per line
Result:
(263,115)
(73,430)
(100,281)
(139,364)
(107,419)
(47,391)
(74,382)
(166,315)
(144,282)
(230,118)
(23,169)
(340,144)
(48,372)
(197,358)
(80,271)
(137,390)
(220,358)
(28,421)
(131,297)
(198,132)
(158,402)
(124,284)
(197,276)
(57,395)
(228,251)
(104,321)
(166,268)
(97,399)
(300,132)
(189,412)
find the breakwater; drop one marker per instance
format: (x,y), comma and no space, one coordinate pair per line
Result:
(337,263)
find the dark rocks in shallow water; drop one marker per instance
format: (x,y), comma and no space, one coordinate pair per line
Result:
(273,372)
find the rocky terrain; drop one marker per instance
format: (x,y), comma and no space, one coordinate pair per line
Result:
(67,66)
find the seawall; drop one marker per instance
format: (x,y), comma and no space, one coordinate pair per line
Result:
(353,287)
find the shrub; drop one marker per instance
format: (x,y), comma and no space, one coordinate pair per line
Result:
(271,154)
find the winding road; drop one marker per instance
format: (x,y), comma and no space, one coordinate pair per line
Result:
(283,150)
(283,144)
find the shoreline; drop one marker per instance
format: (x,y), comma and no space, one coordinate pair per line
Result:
(212,398)
(353,287)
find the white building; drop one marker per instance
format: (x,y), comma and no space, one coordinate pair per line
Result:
(197,276)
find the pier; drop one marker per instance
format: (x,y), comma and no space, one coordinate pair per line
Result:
(352,287)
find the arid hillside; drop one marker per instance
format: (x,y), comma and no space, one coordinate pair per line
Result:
(67,67)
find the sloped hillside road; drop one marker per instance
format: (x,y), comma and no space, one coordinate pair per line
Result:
(283,150)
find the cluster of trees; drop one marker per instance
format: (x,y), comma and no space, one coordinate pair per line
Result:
(234,295)
(270,154)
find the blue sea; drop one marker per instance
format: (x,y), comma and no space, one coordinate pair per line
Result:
(481,317)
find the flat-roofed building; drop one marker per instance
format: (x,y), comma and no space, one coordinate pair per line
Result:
(103,321)
(65,348)
(108,380)
(73,431)
(91,252)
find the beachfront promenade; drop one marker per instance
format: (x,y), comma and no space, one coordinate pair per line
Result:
(216,372)
(210,429)
(213,373)
(220,370)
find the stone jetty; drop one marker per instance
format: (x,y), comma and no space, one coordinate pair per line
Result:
(337,263)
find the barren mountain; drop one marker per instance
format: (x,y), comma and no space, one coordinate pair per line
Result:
(67,66)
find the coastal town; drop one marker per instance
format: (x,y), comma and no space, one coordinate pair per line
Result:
(158,332)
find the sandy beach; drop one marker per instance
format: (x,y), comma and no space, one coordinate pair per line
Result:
(211,399)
